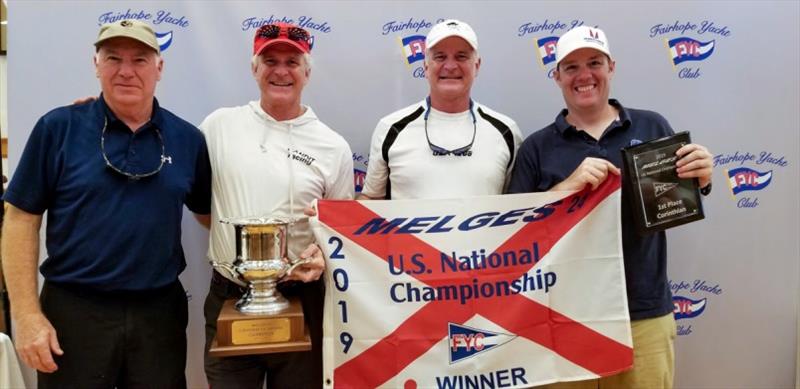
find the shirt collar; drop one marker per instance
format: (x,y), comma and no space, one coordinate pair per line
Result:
(624,118)
(428,109)
(101,108)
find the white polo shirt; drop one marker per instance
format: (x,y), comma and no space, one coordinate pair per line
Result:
(403,166)
(254,158)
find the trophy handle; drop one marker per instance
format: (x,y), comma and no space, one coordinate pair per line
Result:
(298,263)
(227,267)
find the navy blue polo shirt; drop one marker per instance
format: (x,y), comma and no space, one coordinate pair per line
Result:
(550,155)
(106,231)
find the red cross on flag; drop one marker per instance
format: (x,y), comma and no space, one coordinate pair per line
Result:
(486,292)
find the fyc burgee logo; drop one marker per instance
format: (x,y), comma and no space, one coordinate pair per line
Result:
(684,48)
(466,342)
(743,179)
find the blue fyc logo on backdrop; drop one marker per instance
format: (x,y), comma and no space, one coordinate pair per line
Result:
(163,22)
(412,32)
(694,43)
(687,49)
(744,179)
(690,300)
(747,173)
(686,308)
(413,48)
(545,37)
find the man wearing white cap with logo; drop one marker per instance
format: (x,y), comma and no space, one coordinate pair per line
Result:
(113,176)
(582,147)
(446,145)
(271,158)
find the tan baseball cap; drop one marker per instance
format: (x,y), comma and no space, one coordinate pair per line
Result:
(129,28)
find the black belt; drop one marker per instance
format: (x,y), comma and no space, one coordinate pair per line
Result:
(85,290)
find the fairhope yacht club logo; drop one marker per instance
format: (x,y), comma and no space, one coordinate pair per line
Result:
(410,35)
(690,300)
(694,42)
(747,174)
(545,37)
(163,21)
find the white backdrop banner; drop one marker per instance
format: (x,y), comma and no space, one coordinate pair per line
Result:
(704,65)
(451,293)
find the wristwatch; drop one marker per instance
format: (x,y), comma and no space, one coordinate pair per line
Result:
(706,190)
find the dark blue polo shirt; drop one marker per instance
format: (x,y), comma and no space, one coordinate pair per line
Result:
(551,154)
(106,231)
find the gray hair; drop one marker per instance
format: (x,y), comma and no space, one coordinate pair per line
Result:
(97,55)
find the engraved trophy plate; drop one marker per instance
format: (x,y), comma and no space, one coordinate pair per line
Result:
(660,199)
(262,321)
(260,331)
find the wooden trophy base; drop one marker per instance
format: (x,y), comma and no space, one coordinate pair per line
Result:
(240,334)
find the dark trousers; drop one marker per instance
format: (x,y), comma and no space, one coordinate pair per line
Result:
(123,340)
(280,370)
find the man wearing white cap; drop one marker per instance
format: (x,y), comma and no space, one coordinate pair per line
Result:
(273,157)
(582,147)
(446,145)
(113,176)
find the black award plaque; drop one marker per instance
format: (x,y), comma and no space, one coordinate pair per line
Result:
(660,199)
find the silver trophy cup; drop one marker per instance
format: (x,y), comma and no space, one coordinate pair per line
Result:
(261,246)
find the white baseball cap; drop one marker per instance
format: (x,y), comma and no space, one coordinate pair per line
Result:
(579,38)
(448,28)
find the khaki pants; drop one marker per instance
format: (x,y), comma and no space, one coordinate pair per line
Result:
(653,359)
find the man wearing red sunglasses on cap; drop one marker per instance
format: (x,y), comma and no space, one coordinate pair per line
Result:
(273,157)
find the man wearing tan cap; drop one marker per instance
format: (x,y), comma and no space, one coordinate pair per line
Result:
(273,157)
(446,145)
(113,176)
(582,148)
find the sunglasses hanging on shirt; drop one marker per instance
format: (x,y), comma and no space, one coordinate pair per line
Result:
(441,151)
(133,176)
